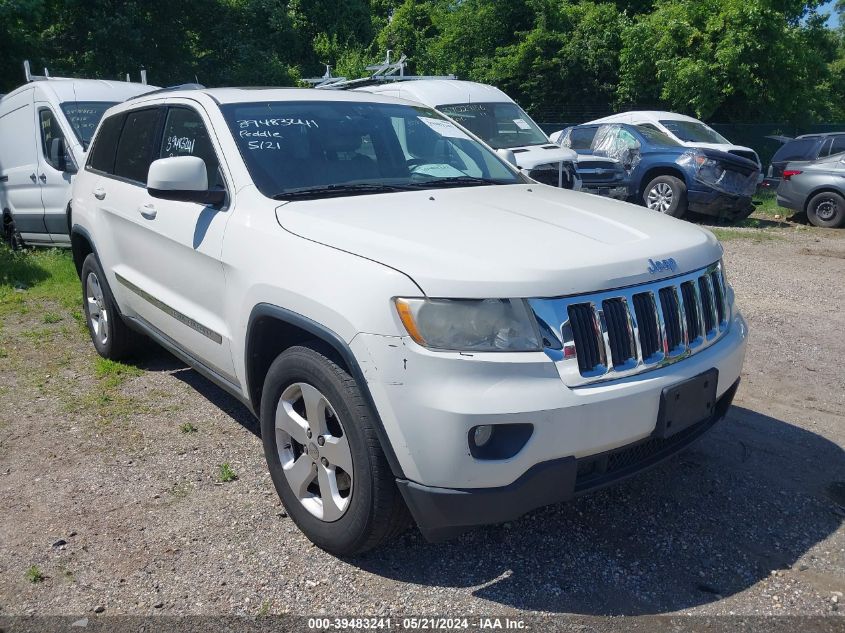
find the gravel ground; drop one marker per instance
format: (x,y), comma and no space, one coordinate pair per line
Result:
(110,487)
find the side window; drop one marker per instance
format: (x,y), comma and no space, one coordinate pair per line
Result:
(825,150)
(185,135)
(50,131)
(581,138)
(135,149)
(102,154)
(838,145)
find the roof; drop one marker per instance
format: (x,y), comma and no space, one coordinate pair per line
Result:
(254,94)
(819,135)
(438,92)
(69,89)
(649,115)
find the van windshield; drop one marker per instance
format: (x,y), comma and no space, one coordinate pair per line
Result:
(500,125)
(694,132)
(84,117)
(313,149)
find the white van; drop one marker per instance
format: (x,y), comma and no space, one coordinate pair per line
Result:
(684,129)
(497,120)
(45,128)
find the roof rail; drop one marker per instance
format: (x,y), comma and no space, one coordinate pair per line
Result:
(30,77)
(387,71)
(175,88)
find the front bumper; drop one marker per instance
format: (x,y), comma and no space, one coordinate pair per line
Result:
(715,203)
(443,513)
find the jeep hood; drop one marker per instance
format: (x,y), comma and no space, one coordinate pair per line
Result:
(503,240)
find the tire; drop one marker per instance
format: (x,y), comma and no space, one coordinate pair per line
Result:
(827,210)
(666,194)
(110,335)
(12,235)
(367,508)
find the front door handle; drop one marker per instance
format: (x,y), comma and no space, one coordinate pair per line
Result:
(43,177)
(99,193)
(33,177)
(148,211)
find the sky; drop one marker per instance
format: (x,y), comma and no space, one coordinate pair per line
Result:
(827,8)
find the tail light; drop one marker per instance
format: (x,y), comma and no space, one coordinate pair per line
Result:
(789,173)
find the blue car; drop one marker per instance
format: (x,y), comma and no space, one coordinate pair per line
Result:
(660,173)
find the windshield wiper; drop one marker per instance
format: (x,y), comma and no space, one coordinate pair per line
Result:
(458,181)
(338,190)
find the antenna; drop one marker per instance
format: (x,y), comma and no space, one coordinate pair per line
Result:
(26,71)
(127,78)
(144,76)
(46,73)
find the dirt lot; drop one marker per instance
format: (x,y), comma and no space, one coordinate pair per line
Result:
(113,501)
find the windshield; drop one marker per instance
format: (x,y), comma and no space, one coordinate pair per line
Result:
(657,138)
(500,125)
(694,132)
(84,116)
(316,148)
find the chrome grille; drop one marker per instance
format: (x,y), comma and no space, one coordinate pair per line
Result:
(619,333)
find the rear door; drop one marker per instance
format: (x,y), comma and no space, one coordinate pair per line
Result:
(20,189)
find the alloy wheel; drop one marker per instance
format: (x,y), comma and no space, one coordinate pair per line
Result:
(98,315)
(660,197)
(314,451)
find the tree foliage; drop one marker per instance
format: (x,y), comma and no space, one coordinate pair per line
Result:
(731,60)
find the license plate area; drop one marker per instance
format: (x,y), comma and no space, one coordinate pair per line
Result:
(687,403)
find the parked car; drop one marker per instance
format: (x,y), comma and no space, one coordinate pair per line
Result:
(817,189)
(45,128)
(686,130)
(417,325)
(497,120)
(666,176)
(803,149)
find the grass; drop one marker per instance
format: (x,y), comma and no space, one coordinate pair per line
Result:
(51,317)
(114,373)
(761,235)
(226,474)
(187,427)
(37,275)
(34,575)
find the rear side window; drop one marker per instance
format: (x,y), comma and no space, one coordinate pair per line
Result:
(136,146)
(105,144)
(799,149)
(581,137)
(185,134)
(838,145)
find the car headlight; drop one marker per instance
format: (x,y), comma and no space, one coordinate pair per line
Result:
(472,325)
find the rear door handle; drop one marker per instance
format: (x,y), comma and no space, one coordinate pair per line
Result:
(43,177)
(148,211)
(99,193)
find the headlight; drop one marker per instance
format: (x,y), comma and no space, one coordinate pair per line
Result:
(472,325)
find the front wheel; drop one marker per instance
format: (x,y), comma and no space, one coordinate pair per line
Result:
(827,210)
(666,194)
(324,456)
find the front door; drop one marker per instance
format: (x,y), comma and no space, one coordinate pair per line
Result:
(169,251)
(55,181)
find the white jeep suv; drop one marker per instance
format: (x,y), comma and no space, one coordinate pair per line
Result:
(417,327)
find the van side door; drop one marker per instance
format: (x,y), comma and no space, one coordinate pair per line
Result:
(20,189)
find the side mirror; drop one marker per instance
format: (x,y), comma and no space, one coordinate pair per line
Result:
(58,157)
(507,155)
(182,178)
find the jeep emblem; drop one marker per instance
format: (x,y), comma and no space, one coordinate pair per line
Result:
(662,265)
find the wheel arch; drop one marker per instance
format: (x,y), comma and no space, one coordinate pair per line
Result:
(654,172)
(272,329)
(81,246)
